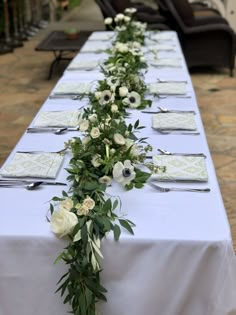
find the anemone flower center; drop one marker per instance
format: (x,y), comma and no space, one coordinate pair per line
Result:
(132,99)
(126,172)
(106,97)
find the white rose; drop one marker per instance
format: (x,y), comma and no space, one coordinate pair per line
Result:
(105,180)
(142,59)
(96,160)
(63,222)
(119,139)
(134,150)
(92,117)
(123,91)
(119,17)
(136,44)
(113,151)
(95,132)
(83,210)
(127,18)
(108,21)
(66,204)
(114,108)
(85,140)
(84,125)
(98,94)
(89,202)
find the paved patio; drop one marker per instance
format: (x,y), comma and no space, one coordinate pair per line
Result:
(24,87)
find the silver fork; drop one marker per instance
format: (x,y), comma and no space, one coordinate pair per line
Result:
(167,189)
(165,152)
(176,132)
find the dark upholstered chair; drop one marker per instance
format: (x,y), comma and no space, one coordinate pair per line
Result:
(204,44)
(154,21)
(193,13)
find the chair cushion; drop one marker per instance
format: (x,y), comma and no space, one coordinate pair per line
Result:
(185,11)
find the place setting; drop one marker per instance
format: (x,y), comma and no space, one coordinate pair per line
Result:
(101,36)
(71,89)
(175,122)
(91,47)
(31,169)
(83,65)
(165,62)
(179,168)
(57,122)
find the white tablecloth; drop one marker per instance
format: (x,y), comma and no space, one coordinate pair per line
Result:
(180,260)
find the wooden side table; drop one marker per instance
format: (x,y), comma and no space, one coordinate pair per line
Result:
(61,46)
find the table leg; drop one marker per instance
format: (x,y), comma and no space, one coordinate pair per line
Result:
(58,57)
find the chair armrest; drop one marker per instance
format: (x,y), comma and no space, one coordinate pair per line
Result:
(209,28)
(150,18)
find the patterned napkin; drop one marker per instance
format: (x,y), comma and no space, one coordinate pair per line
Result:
(166,62)
(159,47)
(169,121)
(89,47)
(168,88)
(57,118)
(41,165)
(73,88)
(181,168)
(101,36)
(162,36)
(83,65)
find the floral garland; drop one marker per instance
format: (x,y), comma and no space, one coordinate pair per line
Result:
(108,151)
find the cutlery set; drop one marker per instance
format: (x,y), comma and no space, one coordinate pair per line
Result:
(29,185)
(55,130)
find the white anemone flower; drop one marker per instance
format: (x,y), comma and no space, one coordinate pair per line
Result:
(113,82)
(124,173)
(106,97)
(136,52)
(133,100)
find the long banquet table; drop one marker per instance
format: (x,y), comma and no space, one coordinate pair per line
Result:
(180,260)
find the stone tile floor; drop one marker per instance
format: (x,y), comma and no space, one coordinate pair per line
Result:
(24,87)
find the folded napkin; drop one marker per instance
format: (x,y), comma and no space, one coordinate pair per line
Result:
(57,118)
(41,165)
(70,87)
(162,36)
(165,62)
(158,47)
(101,36)
(167,88)
(168,121)
(91,48)
(83,65)
(181,168)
